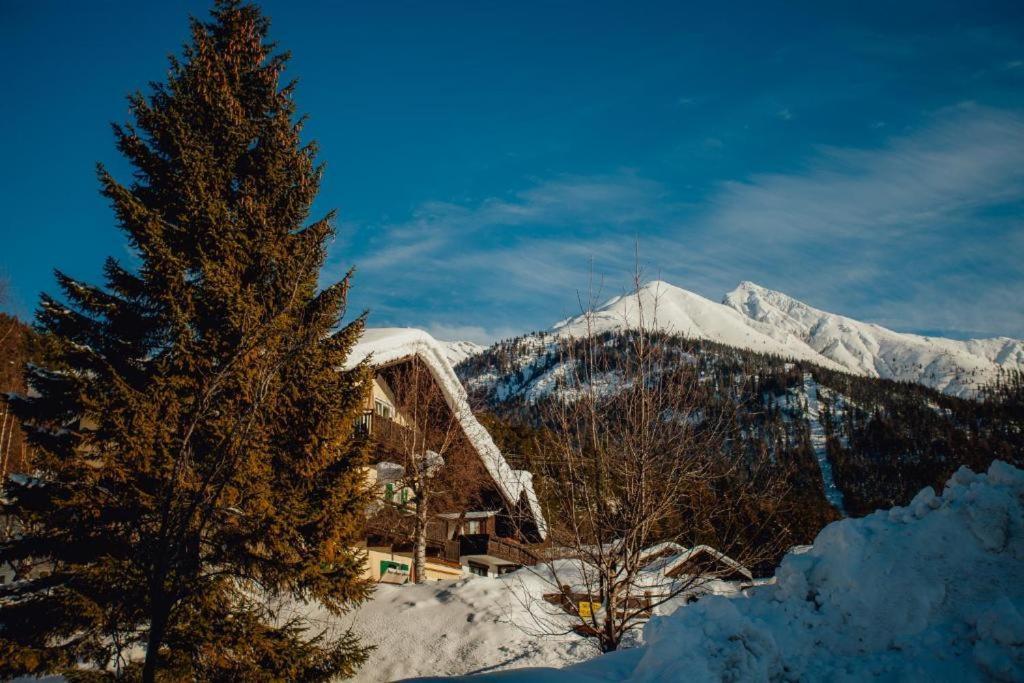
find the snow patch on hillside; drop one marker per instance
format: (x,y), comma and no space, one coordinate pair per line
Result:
(930,591)
(819,443)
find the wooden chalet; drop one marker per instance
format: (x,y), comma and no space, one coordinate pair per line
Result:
(483,516)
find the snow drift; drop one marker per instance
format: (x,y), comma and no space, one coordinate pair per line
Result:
(930,591)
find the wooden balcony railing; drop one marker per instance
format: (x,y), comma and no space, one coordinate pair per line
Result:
(387,438)
(400,541)
(496,546)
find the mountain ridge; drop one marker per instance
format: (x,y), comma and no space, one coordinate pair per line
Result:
(755,318)
(956,367)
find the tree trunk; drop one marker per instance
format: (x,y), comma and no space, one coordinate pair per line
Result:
(7,450)
(157,628)
(3,461)
(419,559)
(609,643)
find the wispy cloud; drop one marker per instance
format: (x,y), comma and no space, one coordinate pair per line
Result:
(503,255)
(923,232)
(968,159)
(889,231)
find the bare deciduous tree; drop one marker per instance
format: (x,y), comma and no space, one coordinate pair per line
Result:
(440,468)
(645,457)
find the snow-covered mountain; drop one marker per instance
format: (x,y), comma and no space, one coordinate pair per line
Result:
(758,319)
(458,351)
(661,306)
(955,367)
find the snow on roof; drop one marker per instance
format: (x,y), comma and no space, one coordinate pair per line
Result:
(385,345)
(676,555)
(483,514)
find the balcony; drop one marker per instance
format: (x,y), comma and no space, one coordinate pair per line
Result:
(438,549)
(387,439)
(495,546)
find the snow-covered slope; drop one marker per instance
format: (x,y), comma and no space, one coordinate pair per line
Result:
(661,306)
(458,351)
(954,367)
(929,592)
(766,321)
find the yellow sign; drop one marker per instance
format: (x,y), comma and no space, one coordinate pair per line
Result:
(587,609)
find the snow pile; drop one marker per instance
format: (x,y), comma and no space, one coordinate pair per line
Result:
(448,628)
(931,591)
(385,345)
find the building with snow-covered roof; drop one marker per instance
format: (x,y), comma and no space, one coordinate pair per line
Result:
(673,561)
(423,441)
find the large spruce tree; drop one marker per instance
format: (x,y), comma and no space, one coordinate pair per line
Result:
(196,482)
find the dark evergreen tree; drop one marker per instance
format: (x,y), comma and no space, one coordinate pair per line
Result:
(194,463)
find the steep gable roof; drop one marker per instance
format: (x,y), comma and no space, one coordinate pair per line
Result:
(386,345)
(669,558)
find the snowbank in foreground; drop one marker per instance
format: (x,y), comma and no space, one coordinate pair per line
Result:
(931,591)
(472,625)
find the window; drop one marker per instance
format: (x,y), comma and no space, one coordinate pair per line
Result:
(478,569)
(471,526)
(507,568)
(382,409)
(385,565)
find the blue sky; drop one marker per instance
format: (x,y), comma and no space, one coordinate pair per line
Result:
(867,159)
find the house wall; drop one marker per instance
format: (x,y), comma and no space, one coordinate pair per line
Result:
(493,565)
(434,570)
(486,525)
(380,391)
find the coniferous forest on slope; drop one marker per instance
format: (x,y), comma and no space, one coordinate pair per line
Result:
(885,440)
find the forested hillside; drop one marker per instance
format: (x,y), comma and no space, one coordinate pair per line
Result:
(845,444)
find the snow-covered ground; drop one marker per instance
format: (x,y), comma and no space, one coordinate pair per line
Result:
(933,591)
(479,625)
(446,628)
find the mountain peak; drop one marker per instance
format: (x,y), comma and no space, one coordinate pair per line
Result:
(759,319)
(747,285)
(748,288)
